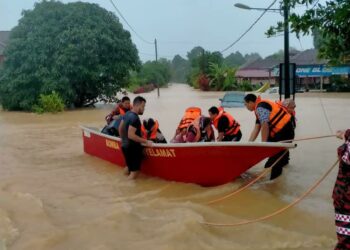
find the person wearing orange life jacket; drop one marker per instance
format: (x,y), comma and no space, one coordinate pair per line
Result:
(120,109)
(228,128)
(200,130)
(150,131)
(275,124)
(190,115)
(289,104)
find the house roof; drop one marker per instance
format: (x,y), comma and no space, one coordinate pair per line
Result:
(267,63)
(4,37)
(308,57)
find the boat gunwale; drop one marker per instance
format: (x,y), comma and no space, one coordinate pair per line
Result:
(201,144)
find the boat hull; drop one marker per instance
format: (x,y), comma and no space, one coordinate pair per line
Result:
(207,164)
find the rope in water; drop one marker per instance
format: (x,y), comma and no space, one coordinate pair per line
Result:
(276,212)
(265,172)
(249,183)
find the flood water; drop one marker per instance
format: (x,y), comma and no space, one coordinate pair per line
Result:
(54,196)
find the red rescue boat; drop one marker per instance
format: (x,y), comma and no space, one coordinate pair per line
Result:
(206,163)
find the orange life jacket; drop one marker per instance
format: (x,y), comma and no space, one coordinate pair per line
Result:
(118,110)
(150,135)
(233,127)
(121,109)
(280,103)
(190,115)
(279,116)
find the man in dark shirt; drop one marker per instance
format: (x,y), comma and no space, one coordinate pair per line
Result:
(130,132)
(228,128)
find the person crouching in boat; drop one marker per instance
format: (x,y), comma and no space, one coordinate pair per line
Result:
(190,115)
(228,128)
(120,109)
(113,127)
(180,135)
(130,132)
(341,193)
(150,131)
(200,130)
(275,124)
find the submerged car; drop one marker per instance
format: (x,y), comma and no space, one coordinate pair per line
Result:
(233,99)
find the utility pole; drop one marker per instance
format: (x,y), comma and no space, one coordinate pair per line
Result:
(156,49)
(286,50)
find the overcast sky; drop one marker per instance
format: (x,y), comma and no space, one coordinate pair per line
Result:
(180,25)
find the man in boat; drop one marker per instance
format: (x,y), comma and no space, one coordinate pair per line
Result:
(341,193)
(228,128)
(150,131)
(130,132)
(113,127)
(275,124)
(120,109)
(200,130)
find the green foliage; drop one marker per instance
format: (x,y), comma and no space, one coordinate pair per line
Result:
(317,39)
(339,84)
(194,54)
(230,82)
(192,77)
(208,58)
(200,65)
(52,103)
(245,86)
(155,72)
(199,62)
(217,75)
(79,50)
(223,78)
(331,20)
(252,57)
(234,60)
(179,69)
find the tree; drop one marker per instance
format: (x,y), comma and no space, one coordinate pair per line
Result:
(205,59)
(78,50)
(217,75)
(234,60)
(155,72)
(331,20)
(252,57)
(195,53)
(179,69)
(279,55)
(317,39)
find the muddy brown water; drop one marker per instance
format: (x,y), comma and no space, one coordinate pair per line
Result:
(54,196)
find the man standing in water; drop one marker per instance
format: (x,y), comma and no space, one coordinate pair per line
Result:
(275,124)
(130,132)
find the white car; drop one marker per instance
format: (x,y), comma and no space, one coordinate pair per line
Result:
(274,90)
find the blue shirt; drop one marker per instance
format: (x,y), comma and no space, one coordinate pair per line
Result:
(263,115)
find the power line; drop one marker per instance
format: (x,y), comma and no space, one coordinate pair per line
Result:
(121,15)
(315,4)
(255,22)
